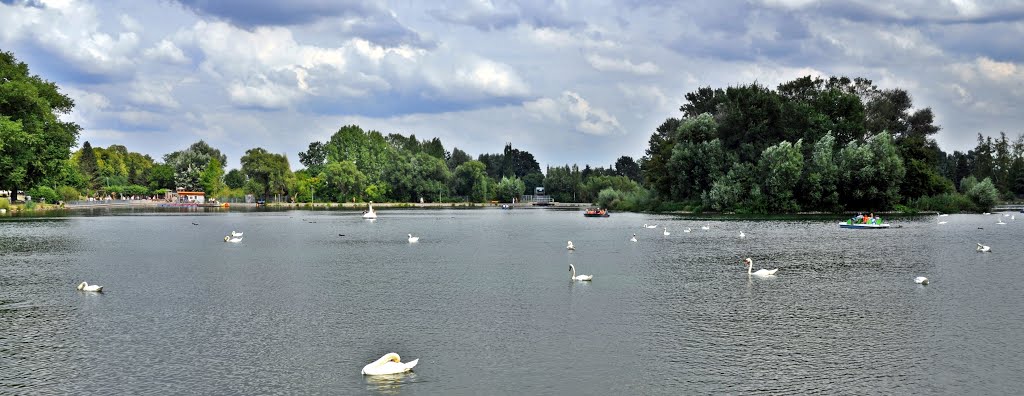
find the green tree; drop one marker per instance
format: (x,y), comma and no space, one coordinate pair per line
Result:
(470,180)
(314,158)
(654,166)
(161,176)
(234,179)
(212,178)
(625,166)
(509,188)
(821,176)
(34,139)
(870,173)
(268,174)
(781,166)
(343,180)
(983,194)
(458,157)
(87,164)
(696,166)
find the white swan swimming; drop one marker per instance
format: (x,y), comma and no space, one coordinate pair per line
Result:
(943,215)
(742,235)
(665,232)
(90,288)
(236,233)
(984,249)
(922,280)
(388,364)
(413,239)
(940,218)
(760,272)
(573,276)
(650,226)
(570,246)
(633,239)
(229,238)
(687,230)
(705,227)
(1001,222)
(370,214)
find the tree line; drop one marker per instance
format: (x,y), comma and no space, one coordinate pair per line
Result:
(810,144)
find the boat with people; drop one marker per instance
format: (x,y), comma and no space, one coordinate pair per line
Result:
(596,212)
(864,221)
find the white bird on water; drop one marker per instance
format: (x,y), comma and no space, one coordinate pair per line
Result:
(687,230)
(940,220)
(90,288)
(388,364)
(633,239)
(370,214)
(570,246)
(705,227)
(650,226)
(921,280)
(1001,222)
(229,238)
(984,249)
(742,235)
(665,232)
(236,233)
(760,272)
(413,239)
(573,276)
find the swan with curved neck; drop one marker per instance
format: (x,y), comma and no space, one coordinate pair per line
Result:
(650,226)
(760,272)
(413,239)
(229,238)
(570,246)
(742,235)
(665,232)
(573,276)
(984,248)
(236,233)
(370,214)
(388,364)
(90,288)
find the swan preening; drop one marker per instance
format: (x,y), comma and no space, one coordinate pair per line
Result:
(229,238)
(650,226)
(413,239)
(983,248)
(370,214)
(633,239)
(570,246)
(760,272)
(575,277)
(922,280)
(388,364)
(90,288)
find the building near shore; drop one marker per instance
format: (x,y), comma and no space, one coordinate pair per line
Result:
(182,196)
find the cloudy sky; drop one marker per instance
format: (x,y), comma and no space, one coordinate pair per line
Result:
(569,81)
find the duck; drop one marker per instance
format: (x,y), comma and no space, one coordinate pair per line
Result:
(229,238)
(983,248)
(650,226)
(633,239)
(84,286)
(921,280)
(760,272)
(665,232)
(370,214)
(413,239)
(573,276)
(570,246)
(390,363)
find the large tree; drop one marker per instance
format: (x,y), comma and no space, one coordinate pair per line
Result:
(34,141)
(268,173)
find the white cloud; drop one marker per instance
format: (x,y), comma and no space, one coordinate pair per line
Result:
(154,93)
(491,78)
(573,108)
(621,65)
(166,51)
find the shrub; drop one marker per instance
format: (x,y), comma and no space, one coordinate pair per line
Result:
(40,192)
(68,193)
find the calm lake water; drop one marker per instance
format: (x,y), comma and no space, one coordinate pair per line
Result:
(485,302)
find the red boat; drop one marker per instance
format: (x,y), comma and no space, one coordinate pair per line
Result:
(596,212)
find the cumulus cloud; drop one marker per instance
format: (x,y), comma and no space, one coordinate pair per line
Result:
(165,51)
(621,65)
(486,16)
(574,109)
(154,94)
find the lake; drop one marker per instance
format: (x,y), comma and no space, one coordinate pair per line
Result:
(485,302)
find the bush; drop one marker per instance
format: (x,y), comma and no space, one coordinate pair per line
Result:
(5,203)
(945,203)
(68,193)
(40,192)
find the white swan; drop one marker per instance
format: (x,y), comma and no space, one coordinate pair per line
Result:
(570,246)
(90,288)
(413,239)
(666,233)
(633,239)
(940,219)
(1001,222)
(650,226)
(943,215)
(922,280)
(687,230)
(1013,217)
(229,238)
(370,214)
(742,235)
(236,233)
(760,272)
(575,277)
(388,364)
(983,248)
(705,227)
